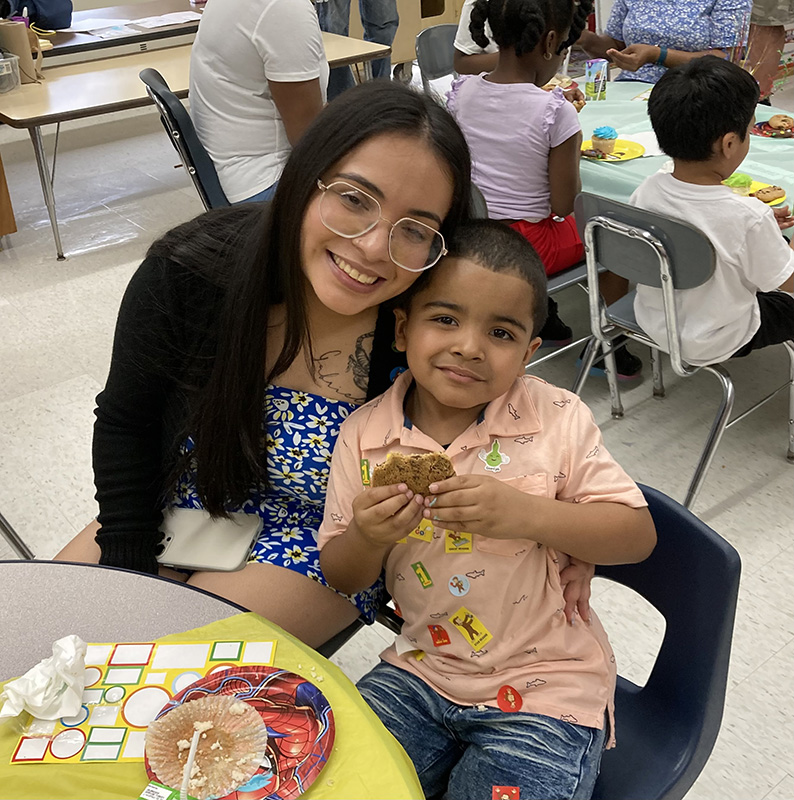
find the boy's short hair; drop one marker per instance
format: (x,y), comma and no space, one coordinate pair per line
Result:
(694,105)
(498,248)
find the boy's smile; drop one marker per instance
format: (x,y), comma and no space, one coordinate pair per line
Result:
(467,336)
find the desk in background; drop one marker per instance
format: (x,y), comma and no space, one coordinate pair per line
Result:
(92,88)
(43,601)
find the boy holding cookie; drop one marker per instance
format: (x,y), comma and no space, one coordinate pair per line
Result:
(487,687)
(702,114)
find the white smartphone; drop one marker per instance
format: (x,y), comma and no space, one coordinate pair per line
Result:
(193,540)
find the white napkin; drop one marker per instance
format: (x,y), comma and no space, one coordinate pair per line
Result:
(648,140)
(51,689)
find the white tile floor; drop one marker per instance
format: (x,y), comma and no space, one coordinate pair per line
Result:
(117,188)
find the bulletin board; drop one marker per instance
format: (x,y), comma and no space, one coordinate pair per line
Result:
(126,684)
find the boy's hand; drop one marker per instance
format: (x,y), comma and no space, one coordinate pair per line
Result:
(783,217)
(634,56)
(473,503)
(575,580)
(385,514)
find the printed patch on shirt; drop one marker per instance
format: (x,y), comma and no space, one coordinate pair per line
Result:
(422,574)
(505,793)
(365,471)
(473,631)
(508,699)
(459,585)
(455,542)
(424,531)
(494,458)
(439,635)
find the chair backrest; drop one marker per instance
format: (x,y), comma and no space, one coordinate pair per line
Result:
(631,255)
(666,730)
(435,53)
(478,208)
(180,130)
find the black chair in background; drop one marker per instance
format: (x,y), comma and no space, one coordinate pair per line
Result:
(180,130)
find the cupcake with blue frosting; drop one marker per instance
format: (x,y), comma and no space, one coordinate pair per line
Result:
(604,138)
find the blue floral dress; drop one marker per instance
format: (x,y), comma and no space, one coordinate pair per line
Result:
(300,431)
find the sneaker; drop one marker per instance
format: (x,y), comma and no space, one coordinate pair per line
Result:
(555,333)
(628,365)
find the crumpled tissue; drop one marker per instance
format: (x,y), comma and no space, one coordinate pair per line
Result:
(51,689)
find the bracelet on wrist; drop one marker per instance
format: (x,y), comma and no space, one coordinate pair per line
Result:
(662,55)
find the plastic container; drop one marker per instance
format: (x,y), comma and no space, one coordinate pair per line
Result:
(9,72)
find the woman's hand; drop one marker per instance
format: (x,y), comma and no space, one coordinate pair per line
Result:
(575,580)
(475,504)
(386,513)
(634,56)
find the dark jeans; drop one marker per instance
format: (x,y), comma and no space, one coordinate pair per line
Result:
(777,322)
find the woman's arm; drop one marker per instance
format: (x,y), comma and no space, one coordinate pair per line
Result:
(564,180)
(635,56)
(597,44)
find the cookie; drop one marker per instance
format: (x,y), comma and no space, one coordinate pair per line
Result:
(416,471)
(781,122)
(578,104)
(769,193)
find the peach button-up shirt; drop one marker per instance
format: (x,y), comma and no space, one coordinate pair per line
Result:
(484,620)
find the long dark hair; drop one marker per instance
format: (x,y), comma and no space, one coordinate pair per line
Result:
(226,412)
(521,23)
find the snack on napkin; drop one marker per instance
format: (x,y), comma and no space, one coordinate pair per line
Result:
(739,183)
(769,193)
(604,138)
(563,81)
(231,746)
(417,471)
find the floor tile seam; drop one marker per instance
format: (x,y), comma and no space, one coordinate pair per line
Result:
(732,689)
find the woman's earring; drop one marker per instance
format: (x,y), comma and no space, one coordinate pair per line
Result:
(547,56)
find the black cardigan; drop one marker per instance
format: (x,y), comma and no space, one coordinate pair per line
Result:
(163,350)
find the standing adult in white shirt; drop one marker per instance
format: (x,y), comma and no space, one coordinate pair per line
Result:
(258,78)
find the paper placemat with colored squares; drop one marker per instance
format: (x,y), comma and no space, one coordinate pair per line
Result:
(126,684)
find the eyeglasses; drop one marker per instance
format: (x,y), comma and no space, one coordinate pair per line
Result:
(349,212)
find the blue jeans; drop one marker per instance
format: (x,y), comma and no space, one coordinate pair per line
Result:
(265,194)
(379,19)
(465,751)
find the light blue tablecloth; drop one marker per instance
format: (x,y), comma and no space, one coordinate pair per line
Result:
(769,160)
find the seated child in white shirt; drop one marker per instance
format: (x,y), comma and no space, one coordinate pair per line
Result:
(487,688)
(702,113)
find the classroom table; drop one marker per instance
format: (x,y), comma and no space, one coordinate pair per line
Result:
(102,86)
(769,160)
(43,601)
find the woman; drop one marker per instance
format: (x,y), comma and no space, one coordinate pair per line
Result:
(644,37)
(277,305)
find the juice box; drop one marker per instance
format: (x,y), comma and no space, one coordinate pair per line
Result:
(595,77)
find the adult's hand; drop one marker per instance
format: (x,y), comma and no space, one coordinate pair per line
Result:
(634,56)
(783,217)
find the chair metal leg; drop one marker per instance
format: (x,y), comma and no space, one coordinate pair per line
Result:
(790,349)
(612,379)
(14,540)
(656,368)
(717,429)
(588,359)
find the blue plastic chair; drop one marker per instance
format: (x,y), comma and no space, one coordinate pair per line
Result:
(666,729)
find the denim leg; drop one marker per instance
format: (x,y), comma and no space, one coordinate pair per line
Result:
(334,17)
(380,21)
(546,758)
(418,718)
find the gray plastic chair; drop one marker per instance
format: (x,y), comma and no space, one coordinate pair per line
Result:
(183,136)
(654,250)
(435,52)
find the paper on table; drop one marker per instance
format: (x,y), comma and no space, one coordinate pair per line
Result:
(51,689)
(174,18)
(648,140)
(94,24)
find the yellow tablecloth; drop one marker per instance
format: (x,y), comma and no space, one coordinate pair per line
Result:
(367,763)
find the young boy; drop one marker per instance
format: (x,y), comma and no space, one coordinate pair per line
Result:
(487,688)
(702,113)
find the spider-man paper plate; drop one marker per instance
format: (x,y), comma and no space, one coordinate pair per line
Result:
(300,727)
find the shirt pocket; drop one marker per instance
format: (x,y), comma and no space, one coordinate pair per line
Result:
(537,484)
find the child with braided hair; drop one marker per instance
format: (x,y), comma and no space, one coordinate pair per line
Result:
(525,142)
